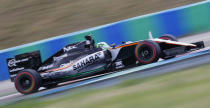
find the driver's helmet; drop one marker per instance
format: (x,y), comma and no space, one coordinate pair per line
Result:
(103,45)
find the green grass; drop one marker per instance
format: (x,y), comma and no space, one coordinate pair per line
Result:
(183,89)
(31,20)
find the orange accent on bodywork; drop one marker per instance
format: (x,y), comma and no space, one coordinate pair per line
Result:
(127,45)
(57,69)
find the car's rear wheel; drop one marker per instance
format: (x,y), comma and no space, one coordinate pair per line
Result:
(27,81)
(147,52)
(168,37)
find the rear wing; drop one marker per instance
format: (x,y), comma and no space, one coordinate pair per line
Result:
(30,60)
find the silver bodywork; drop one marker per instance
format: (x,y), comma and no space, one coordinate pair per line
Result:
(84,64)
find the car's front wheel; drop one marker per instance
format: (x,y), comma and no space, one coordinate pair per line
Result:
(27,81)
(147,52)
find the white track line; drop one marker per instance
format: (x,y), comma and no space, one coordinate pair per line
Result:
(10,96)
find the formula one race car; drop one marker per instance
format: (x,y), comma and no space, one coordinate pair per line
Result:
(83,59)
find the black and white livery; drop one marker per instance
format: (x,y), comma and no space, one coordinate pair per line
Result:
(83,59)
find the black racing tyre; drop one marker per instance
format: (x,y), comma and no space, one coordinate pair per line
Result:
(147,52)
(168,37)
(27,81)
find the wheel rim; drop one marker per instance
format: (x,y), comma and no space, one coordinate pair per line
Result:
(146,53)
(25,83)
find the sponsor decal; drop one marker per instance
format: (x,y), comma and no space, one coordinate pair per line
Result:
(86,61)
(66,49)
(16,69)
(13,62)
(60,57)
(119,64)
(66,64)
(76,66)
(53,74)
(45,67)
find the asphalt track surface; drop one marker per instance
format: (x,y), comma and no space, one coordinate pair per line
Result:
(166,66)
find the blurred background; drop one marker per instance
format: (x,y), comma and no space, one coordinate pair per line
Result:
(24,21)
